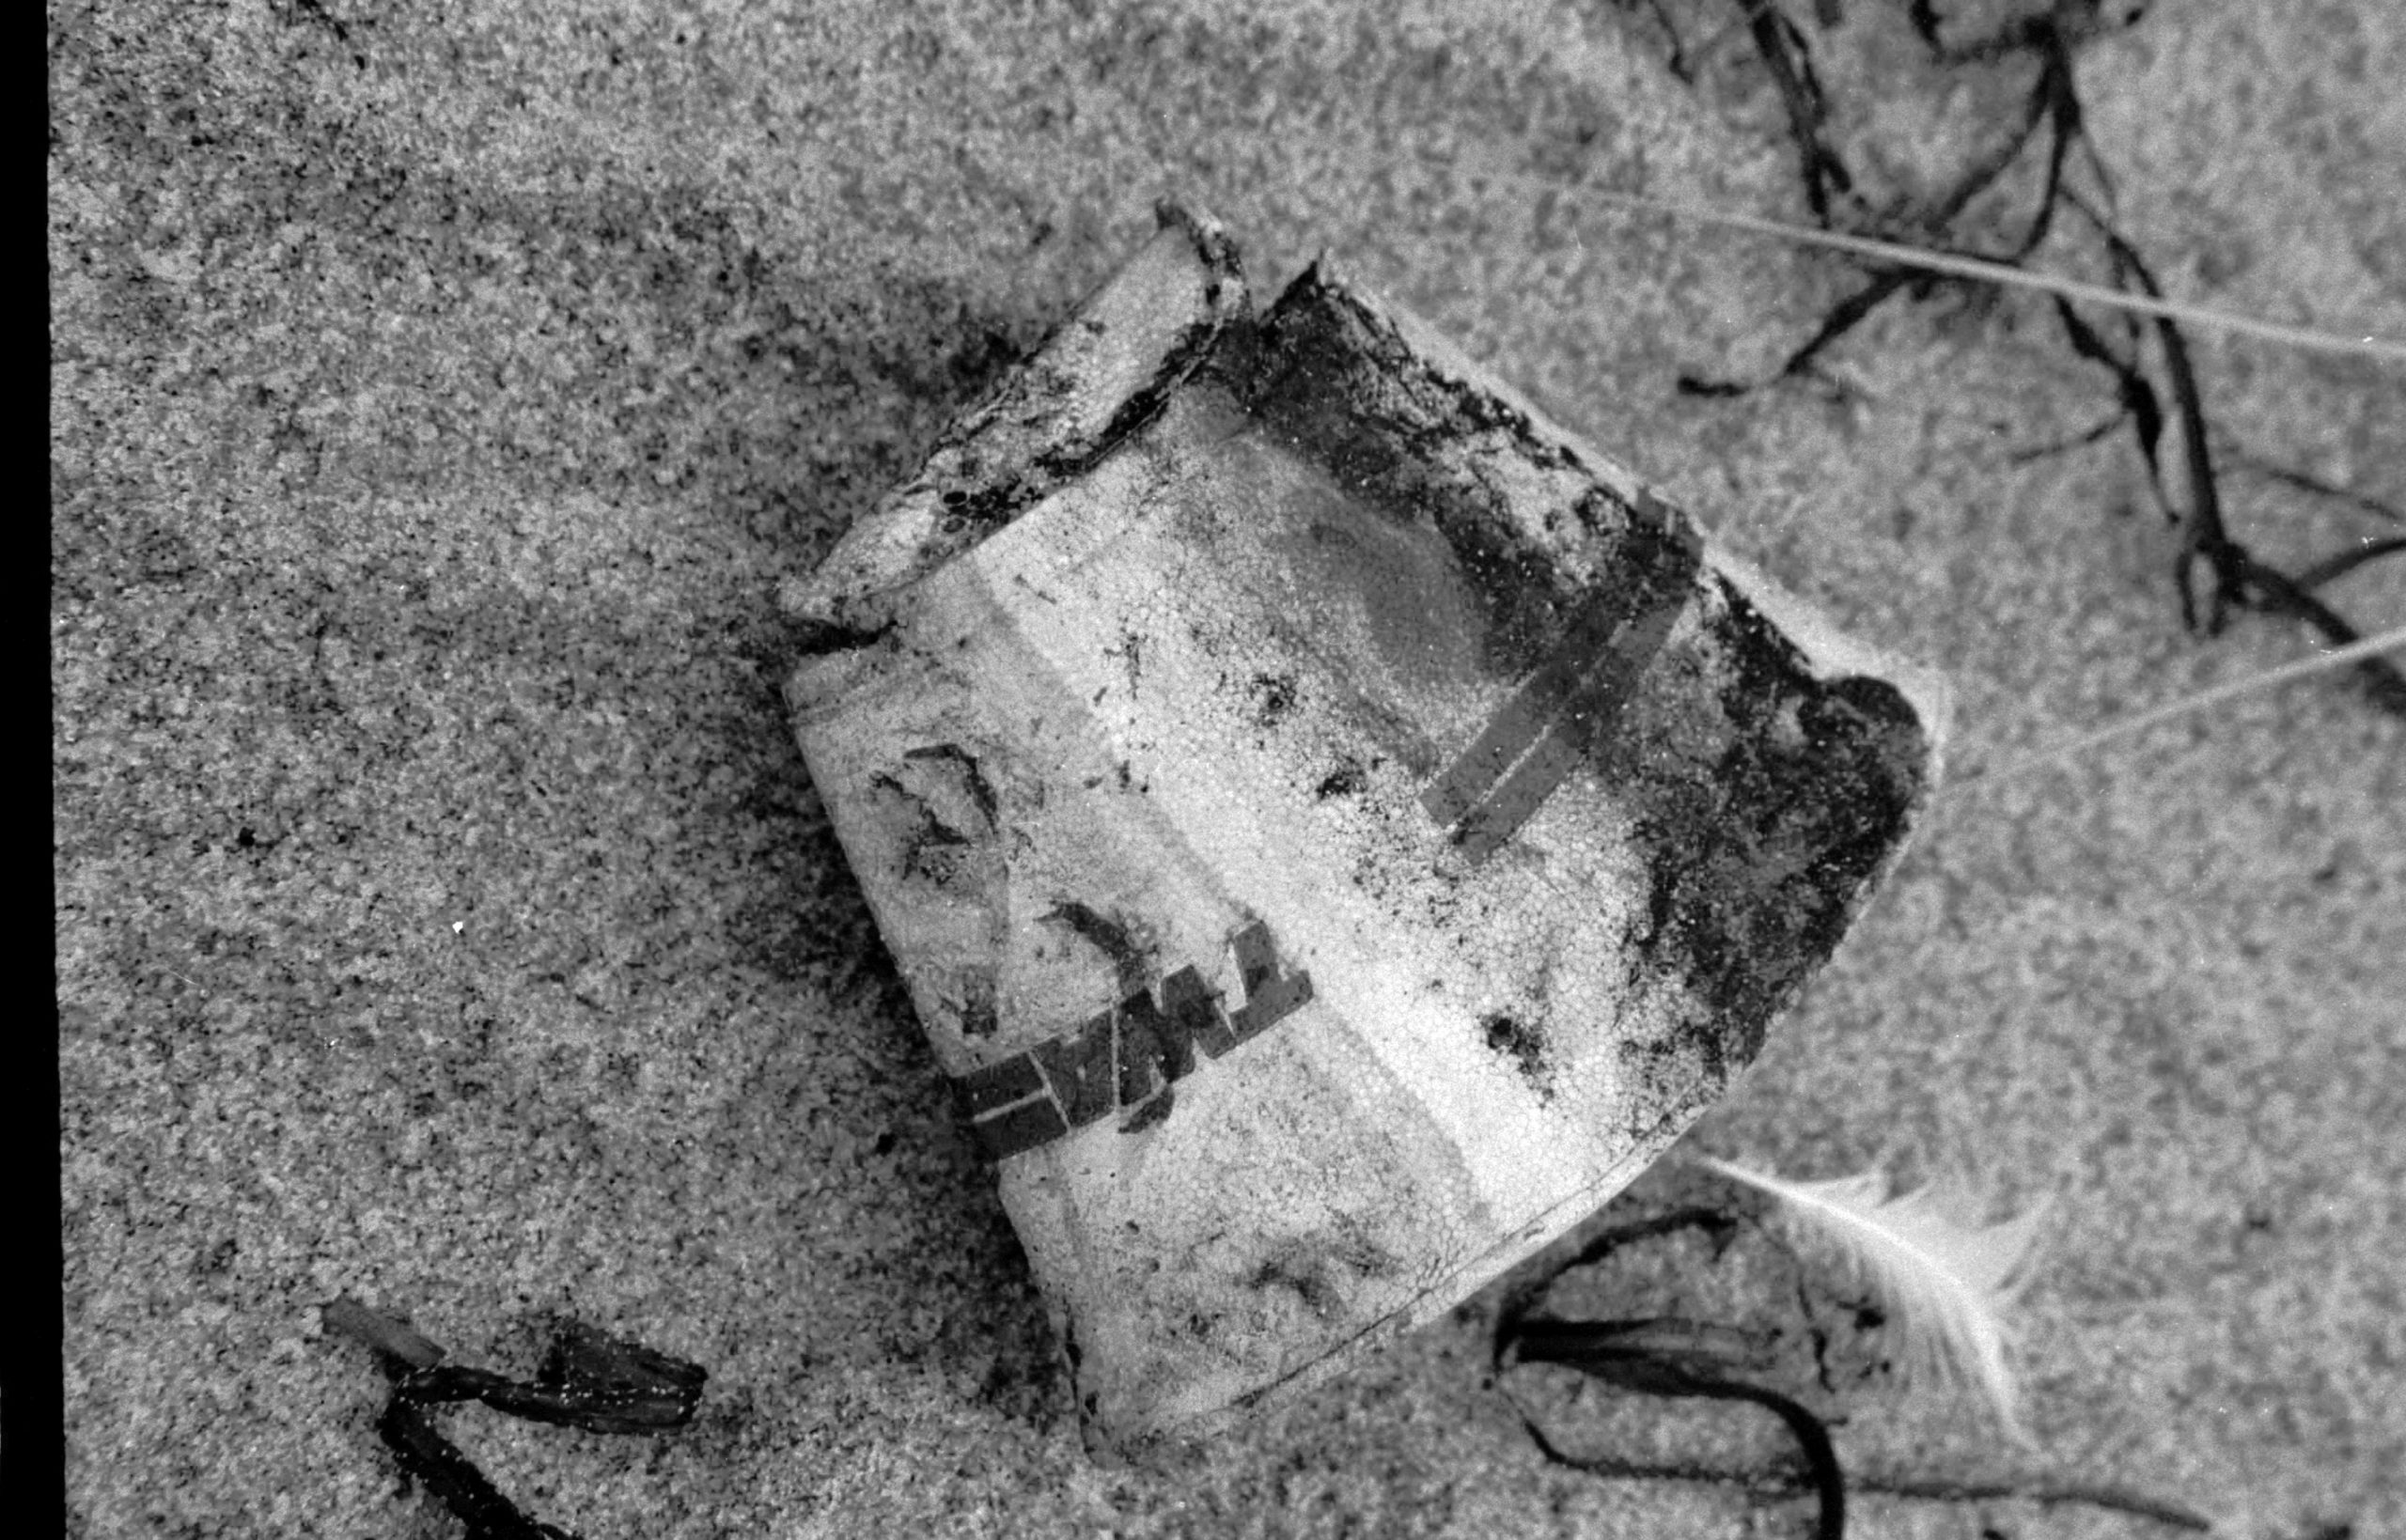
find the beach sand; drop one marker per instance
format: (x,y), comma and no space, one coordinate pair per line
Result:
(446,919)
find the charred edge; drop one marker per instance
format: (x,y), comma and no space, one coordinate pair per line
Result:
(1760,857)
(977,509)
(1336,378)
(969,510)
(1320,328)
(998,502)
(1193,346)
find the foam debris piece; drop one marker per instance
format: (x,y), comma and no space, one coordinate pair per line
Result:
(1337,826)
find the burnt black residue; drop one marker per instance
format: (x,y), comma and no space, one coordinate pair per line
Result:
(1330,375)
(992,467)
(976,508)
(1521,1042)
(1758,852)
(1076,457)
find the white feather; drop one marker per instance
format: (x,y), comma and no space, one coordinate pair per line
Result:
(1945,1281)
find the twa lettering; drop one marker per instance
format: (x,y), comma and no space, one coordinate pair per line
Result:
(1130,1056)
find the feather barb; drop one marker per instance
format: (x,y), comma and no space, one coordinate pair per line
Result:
(1946,1282)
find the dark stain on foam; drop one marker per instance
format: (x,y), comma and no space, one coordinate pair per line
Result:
(1521,1043)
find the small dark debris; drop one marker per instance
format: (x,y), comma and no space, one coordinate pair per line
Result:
(1345,780)
(1275,698)
(1518,1041)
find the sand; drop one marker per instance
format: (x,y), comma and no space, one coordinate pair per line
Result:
(446,919)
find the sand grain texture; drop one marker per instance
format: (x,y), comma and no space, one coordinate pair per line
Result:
(446,919)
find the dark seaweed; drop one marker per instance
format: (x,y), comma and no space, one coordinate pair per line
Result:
(589,1380)
(1666,1357)
(1678,1356)
(2162,404)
